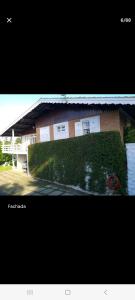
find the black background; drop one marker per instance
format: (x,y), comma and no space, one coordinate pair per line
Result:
(68,49)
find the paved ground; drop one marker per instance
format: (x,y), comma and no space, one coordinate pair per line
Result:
(18,183)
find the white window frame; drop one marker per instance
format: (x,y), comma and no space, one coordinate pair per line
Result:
(90,119)
(44,140)
(78,129)
(58,134)
(81,125)
(85,120)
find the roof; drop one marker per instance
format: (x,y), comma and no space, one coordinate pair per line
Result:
(43,105)
(91,100)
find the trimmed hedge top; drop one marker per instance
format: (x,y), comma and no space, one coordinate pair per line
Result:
(83,161)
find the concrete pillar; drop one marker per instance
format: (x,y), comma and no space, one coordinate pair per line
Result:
(27,164)
(13,148)
(16,160)
(20,160)
(13,135)
(3,143)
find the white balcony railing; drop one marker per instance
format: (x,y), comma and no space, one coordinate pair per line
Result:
(15,149)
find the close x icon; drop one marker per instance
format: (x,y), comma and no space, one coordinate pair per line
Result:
(7,20)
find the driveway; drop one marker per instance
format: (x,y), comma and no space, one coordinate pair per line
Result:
(18,183)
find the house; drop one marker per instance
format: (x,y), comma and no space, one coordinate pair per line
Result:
(67,117)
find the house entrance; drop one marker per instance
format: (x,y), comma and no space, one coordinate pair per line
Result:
(130,148)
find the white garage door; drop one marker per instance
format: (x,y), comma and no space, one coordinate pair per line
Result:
(131,167)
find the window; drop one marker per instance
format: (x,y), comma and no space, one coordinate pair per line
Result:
(61,131)
(44,134)
(61,128)
(86,127)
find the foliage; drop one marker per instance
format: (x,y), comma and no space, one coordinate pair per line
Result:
(4,157)
(5,168)
(18,140)
(7,157)
(129,134)
(7,143)
(83,161)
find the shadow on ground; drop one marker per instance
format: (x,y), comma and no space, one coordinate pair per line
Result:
(12,183)
(11,189)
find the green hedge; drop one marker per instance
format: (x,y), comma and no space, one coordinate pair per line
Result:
(129,135)
(82,161)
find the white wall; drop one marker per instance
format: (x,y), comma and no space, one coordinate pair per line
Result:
(21,158)
(131,167)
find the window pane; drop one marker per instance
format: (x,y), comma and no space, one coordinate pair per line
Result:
(61,128)
(58,128)
(86,127)
(85,124)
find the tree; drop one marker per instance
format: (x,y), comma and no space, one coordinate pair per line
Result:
(1,154)
(129,134)
(7,143)
(4,157)
(18,140)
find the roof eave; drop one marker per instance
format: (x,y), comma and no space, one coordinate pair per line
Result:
(89,100)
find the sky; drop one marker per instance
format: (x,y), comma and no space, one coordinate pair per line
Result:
(13,105)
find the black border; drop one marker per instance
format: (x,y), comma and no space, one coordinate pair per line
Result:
(80,242)
(97,203)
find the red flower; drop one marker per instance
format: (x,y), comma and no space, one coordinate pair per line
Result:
(113,182)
